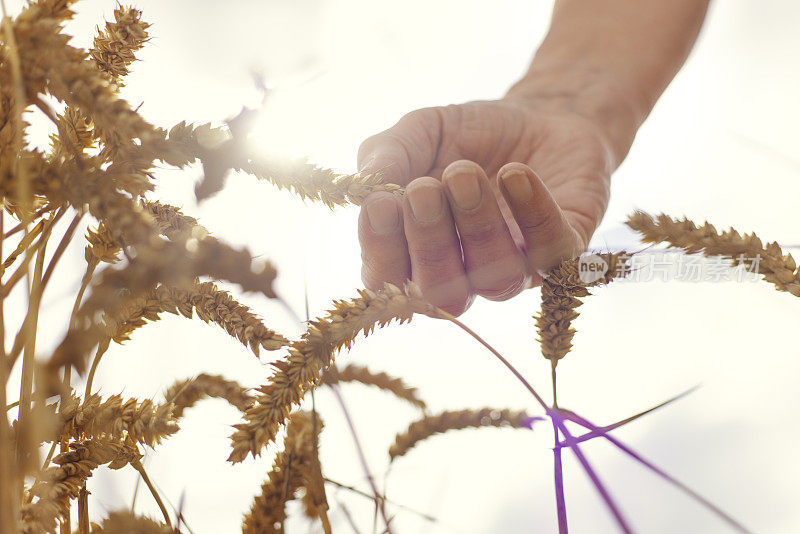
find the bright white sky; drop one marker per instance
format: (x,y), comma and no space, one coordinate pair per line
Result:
(721,145)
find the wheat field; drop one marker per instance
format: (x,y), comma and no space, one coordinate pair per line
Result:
(82,210)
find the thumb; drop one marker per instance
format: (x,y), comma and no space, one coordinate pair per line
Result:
(405,151)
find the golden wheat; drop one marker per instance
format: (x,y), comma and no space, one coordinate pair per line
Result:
(184,394)
(747,250)
(431,425)
(126,522)
(562,289)
(361,374)
(314,353)
(62,482)
(289,473)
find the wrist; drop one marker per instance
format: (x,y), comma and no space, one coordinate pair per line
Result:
(588,91)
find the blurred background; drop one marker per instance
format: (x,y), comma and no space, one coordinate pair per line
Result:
(720,145)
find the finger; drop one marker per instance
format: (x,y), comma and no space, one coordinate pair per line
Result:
(433,246)
(384,254)
(404,151)
(548,236)
(495,266)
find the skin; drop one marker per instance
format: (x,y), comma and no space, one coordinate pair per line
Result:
(498,192)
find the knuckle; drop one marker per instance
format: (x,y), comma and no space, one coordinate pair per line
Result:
(480,235)
(432,254)
(546,223)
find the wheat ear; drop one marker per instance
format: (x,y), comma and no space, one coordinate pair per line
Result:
(62,482)
(268,512)
(359,373)
(562,290)
(184,394)
(746,250)
(313,353)
(126,522)
(308,181)
(459,420)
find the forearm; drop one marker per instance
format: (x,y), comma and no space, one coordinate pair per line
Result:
(611,59)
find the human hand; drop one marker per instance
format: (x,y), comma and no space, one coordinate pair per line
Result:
(497,192)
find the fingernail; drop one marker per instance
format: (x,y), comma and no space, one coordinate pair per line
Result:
(517,184)
(463,185)
(382,215)
(426,202)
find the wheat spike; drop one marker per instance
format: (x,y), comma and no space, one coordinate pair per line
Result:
(747,250)
(436,424)
(314,183)
(313,353)
(184,394)
(142,422)
(126,522)
(172,222)
(62,482)
(359,373)
(114,48)
(143,273)
(562,290)
(268,512)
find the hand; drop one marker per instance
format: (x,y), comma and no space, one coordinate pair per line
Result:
(497,192)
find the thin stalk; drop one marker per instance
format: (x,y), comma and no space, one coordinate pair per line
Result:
(608,428)
(140,468)
(601,489)
(669,478)
(8,501)
(444,315)
(622,523)
(20,103)
(558,468)
(22,270)
(323,513)
(67,379)
(362,458)
(62,246)
(39,213)
(95,362)
(366,495)
(32,320)
(348,517)
(83,513)
(23,244)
